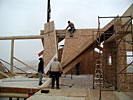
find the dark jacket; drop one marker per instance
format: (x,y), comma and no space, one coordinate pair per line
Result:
(40,66)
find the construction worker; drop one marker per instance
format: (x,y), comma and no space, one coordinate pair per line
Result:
(77,68)
(40,70)
(72,28)
(55,71)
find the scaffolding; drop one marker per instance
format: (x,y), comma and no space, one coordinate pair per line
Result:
(117,55)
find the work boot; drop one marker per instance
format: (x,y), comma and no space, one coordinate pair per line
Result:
(40,83)
(57,88)
(52,87)
(71,35)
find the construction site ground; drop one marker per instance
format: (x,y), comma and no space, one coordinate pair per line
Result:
(80,88)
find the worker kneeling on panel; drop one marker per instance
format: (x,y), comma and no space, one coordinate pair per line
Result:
(72,28)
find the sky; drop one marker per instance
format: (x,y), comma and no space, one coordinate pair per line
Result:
(27,17)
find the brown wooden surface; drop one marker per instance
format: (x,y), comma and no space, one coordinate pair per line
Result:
(50,45)
(75,45)
(128,12)
(16,90)
(84,68)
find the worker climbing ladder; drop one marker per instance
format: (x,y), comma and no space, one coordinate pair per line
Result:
(98,75)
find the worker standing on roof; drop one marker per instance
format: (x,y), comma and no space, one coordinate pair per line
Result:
(72,28)
(40,70)
(55,72)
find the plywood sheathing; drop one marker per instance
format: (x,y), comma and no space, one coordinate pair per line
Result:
(79,59)
(121,33)
(19,92)
(74,46)
(71,89)
(66,92)
(50,44)
(81,89)
(110,69)
(86,62)
(41,97)
(83,38)
(124,21)
(129,44)
(94,95)
(20,82)
(125,80)
(18,86)
(128,12)
(122,63)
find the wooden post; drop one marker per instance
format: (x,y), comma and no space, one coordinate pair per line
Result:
(56,44)
(12,54)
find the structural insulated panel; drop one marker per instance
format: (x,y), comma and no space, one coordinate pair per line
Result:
(75,45)
(50,45)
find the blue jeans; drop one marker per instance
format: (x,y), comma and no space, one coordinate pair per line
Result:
(72,31)
(40,77)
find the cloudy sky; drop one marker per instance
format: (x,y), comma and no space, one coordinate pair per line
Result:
(27,17)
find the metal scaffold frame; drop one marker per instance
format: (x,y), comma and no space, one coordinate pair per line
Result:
(117,38)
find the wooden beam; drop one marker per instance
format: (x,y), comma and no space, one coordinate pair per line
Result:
(21,37)
(16,91)
(26,37)
(7,71)
(60,31)
(12,54)
(13,66)
(60,35)
(15,95)
(25,64)
(4,74)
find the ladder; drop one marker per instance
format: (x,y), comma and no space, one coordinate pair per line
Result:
(98,74)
